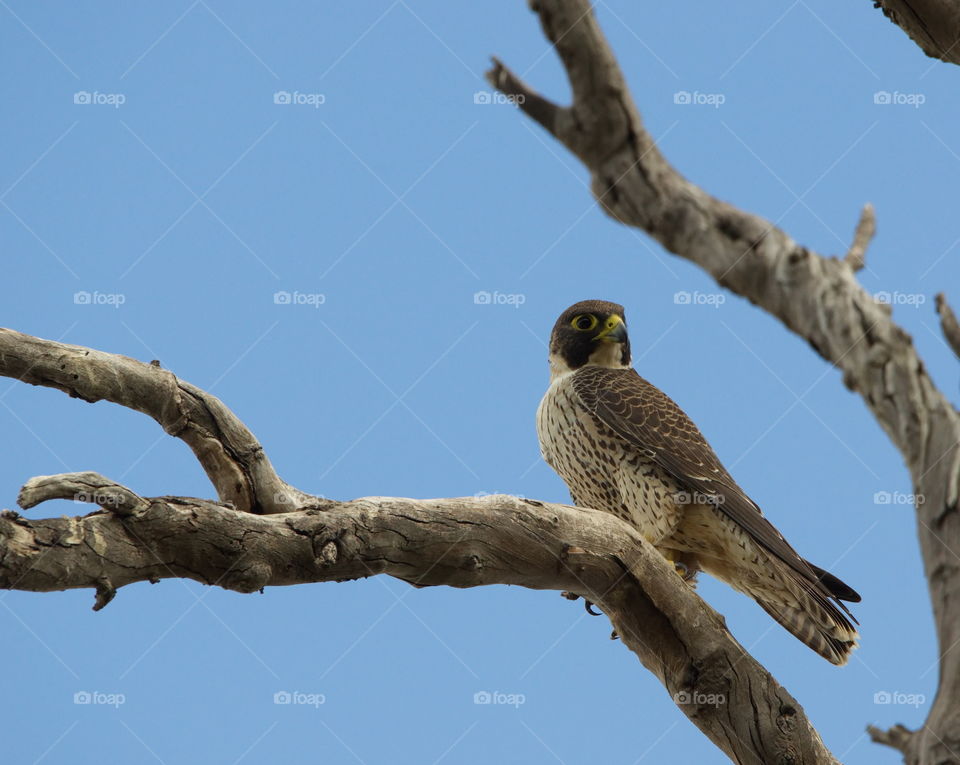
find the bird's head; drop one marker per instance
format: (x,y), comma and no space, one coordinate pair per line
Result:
(589,332)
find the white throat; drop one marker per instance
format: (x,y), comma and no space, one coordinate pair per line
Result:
(606,355)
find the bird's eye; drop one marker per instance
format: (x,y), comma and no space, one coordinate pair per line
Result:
(584,322)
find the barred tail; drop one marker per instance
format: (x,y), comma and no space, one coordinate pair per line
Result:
(814,619)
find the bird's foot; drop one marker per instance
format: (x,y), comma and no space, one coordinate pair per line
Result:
(687,573)
(588,605)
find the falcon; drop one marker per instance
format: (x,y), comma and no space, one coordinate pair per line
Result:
(624,447)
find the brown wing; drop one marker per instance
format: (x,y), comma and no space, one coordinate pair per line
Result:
(650,421)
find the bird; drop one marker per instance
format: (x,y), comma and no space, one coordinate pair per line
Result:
(624,447)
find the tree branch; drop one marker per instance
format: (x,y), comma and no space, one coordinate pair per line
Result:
(462,542)
(232,458)
(536,106)
(81,487)
(816,297)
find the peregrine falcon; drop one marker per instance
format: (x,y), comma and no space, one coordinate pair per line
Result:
(623,446)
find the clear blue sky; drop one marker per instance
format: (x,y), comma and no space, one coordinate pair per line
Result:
(183,190)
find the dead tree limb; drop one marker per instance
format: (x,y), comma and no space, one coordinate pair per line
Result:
(816,297)
(230,455)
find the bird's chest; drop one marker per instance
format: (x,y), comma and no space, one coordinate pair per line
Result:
(566,440)
(600,469)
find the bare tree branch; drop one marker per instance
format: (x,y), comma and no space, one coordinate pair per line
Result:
(81,487)
(461,542)
(816,297)
(535,105)
(232,458)
(934,25)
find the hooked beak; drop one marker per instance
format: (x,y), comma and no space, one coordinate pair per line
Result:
(614,331)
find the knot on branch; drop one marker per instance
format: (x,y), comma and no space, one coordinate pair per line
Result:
(248,578)
(327,554)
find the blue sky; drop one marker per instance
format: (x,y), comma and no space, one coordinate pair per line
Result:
(148,168)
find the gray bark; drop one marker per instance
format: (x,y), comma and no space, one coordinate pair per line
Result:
(816,297)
